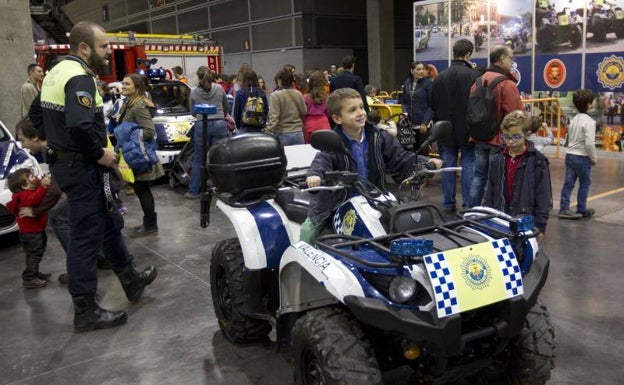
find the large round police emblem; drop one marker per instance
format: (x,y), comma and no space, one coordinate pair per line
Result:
(476,272)
(610,72)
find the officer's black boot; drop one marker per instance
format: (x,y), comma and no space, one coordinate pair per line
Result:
(134,282)
(88,315)
(150,226)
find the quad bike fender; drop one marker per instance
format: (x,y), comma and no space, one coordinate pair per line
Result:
(263,230)
(311,278)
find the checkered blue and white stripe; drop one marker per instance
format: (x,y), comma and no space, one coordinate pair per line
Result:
(509,266)
(337,222)
(443,286)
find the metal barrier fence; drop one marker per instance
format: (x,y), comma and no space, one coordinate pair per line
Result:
(549,111)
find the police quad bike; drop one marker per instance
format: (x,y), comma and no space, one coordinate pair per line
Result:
(604,19)
(393,285)
(557,28)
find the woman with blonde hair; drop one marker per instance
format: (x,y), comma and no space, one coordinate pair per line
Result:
(140,109)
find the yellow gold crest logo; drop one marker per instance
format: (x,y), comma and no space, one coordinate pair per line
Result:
(348,222)
(611,72)
(84,99)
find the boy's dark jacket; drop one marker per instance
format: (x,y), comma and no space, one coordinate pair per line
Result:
(384,153)
(532,190)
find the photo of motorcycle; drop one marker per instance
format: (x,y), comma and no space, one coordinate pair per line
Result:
(517,36)
(558,28)
(604,19)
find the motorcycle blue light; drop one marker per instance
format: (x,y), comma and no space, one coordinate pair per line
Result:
(523,223)
(411,247)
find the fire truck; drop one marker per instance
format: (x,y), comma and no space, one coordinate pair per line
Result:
(132,51)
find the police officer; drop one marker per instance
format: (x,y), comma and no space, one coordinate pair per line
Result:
(74,126)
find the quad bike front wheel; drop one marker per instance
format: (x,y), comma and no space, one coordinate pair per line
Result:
(228,297)
(330,348)
(529,358)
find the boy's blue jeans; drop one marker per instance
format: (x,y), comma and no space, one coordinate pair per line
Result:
(576,167)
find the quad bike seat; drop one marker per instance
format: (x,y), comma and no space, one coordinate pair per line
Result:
(294,203)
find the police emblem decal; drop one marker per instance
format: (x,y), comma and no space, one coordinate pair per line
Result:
(476,272)
(348,222)
(84,99)
(610,72)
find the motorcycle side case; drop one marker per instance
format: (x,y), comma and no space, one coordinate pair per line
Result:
(247,166)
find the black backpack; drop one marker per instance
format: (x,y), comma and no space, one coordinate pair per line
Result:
(481,112)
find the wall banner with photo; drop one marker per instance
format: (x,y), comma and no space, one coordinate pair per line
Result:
(551,51)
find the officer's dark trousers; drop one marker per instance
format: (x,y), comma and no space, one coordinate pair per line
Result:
(93,225)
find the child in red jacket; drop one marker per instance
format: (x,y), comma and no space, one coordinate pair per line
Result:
(28,191)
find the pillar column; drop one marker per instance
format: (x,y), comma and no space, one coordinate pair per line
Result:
(380,31)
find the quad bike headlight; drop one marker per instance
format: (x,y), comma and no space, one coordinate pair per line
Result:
(402,289)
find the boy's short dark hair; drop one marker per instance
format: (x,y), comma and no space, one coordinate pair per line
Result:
(348,62)
(334,101)
(27,129)
(536,123)
(462,48)
(285,77)
(517,118)
(17,179)
(582,98)
(177,70)
(373,116)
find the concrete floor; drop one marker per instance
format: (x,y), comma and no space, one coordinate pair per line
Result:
(172,336)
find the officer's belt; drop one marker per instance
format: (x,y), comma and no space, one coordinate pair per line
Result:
(68,155)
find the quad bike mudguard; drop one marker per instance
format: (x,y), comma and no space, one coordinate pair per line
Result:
(263,230)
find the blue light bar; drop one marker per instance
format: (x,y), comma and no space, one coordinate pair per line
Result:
(522,224)
(205,109)
(411,247)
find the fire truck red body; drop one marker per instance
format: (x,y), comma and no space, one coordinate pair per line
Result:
(130,52)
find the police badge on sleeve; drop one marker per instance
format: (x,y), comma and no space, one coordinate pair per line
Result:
(84,99)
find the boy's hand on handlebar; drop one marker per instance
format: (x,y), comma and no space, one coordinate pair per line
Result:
(313,181)
(436,162)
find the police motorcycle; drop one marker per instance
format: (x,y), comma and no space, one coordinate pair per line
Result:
(517,37)
(557,28)
(392,285)
(603,19)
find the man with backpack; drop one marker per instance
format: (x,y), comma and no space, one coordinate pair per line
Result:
(449,101)
(500,99)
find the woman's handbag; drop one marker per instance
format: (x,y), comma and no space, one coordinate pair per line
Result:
(406,135)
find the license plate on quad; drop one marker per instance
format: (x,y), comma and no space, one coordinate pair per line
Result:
(564,20)
(473,276)
(619,15)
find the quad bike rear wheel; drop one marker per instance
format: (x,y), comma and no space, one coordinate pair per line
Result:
(330,348)
(228,297)
(529,358)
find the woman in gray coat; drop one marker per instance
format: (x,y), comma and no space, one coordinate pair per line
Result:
(140,109)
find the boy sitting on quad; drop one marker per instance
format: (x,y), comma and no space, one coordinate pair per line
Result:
(371,152)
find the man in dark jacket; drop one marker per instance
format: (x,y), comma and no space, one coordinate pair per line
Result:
(449,100)
(519,178)
(347,79)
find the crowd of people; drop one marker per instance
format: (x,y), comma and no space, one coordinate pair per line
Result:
(65,121)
